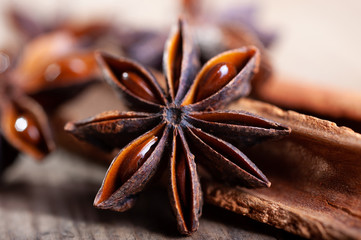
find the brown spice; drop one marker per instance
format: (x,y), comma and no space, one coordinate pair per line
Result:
(23,123)
(49,70)
(184,126)
(315,174)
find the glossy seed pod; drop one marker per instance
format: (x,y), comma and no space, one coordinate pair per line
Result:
(216,78)
(24,125)
(215,37)
(119,192)
(18,127)
(55,64)
(114,70)
(185,127)
(244,60)
(53,61)
(238,35)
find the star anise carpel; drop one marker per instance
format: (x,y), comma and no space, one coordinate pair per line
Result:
(178,128)
(54,67)
(23,123)
(50,69)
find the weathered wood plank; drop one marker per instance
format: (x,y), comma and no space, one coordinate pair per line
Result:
(53,200)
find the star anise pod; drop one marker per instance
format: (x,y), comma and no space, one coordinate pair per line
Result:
(58,54)
(49,70)
(54,67)
(185,126)
(23,123)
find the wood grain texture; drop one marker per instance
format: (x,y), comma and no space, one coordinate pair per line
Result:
(54,201)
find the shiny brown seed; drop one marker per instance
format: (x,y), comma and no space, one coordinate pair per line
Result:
(28,130)
(136,158)
(70,69)
(217,77)
(125,165)
(136,84)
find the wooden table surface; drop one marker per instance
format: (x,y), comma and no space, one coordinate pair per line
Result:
(53,200)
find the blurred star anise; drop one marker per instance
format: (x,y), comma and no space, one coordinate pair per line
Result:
(23,122)
(50,69)
(185,126)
